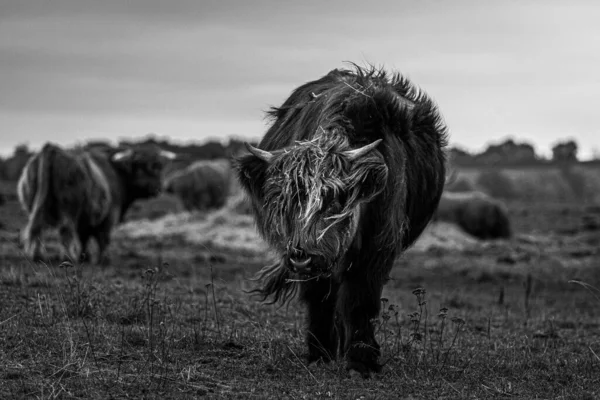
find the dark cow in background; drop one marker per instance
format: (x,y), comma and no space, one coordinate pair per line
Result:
(203,185)
(476,213)
(348,176)
(85,193)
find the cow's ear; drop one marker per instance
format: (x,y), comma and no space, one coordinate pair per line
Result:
(251,173)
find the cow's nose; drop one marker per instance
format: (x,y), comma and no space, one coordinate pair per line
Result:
(300,265)
(299,261)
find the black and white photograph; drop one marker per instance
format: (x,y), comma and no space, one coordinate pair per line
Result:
(261,199)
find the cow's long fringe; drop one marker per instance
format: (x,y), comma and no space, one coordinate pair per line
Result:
(277,285)
(315,167)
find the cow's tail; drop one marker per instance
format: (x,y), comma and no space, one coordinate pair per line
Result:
(42,184)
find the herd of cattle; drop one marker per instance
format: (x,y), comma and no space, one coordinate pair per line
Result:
(347,177)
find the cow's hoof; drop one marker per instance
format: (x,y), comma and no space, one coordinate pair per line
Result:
(356,374)
(362,359)
(318,359)
(365,371)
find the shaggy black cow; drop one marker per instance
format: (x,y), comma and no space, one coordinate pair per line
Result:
(85,193)
(347,176)
(203,185)
(476,213)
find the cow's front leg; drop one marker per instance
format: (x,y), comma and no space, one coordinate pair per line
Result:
(321,337)
(358,304)
(84,238)
(103,240)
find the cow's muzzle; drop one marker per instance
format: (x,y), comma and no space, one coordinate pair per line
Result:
(300,265)
(306,264)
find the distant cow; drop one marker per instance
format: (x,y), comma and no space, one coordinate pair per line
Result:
(85,193)
(476,213)
(203,185)
(347,177)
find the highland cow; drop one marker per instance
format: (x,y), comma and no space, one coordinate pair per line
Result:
(203,185)
(476,213)
(347,177)
(84,193)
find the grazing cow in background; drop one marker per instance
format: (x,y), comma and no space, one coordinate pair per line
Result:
(203,185)
(85,193)
(347,177)
(454,183)
(476,213)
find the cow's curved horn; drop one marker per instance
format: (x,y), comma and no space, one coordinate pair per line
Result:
(122,155)
(356,153)
(169,155)
(262,154)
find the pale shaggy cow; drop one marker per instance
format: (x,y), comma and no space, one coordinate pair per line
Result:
(203,185)
(476,213)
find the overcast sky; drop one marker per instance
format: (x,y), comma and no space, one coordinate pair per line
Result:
(192,70)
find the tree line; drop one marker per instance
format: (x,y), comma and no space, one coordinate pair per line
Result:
(511,153)
(507,153)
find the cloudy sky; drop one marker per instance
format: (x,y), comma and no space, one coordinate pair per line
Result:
(192,70)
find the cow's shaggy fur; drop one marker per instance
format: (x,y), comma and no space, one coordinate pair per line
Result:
(476,213)
(337,219)
(203,185)
(84,193)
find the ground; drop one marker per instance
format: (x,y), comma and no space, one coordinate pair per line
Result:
(170,316)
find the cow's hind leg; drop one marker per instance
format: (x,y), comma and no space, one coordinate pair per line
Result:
(32,242)
(320,298)
(358,304)
(70,242)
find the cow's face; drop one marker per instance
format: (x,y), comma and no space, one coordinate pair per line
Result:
(143,168)
(307,198)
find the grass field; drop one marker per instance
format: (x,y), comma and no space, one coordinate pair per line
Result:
(169,318)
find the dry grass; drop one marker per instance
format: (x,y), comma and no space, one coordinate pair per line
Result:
(497,320)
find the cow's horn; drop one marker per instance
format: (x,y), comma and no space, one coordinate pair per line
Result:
(262,154)
(356,153)
(121,155)
(169,155)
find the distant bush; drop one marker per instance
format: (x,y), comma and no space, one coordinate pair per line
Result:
(497,184)
(576,181)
